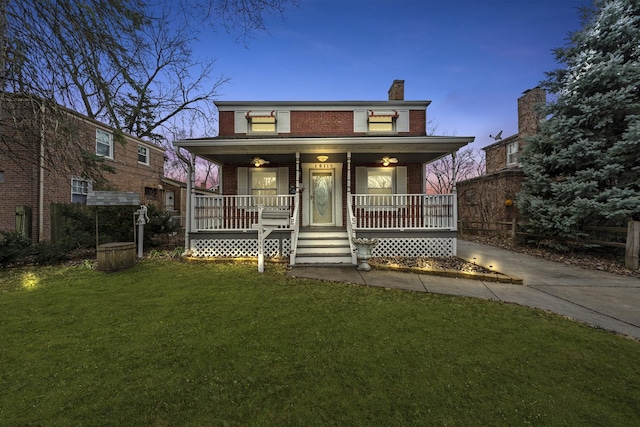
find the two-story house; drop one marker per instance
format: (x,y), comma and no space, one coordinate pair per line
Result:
(339,169)
(491,197)
(32,176)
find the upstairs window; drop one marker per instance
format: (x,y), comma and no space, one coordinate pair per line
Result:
(261,122)
(382,121)
(104,143)
(512,154)
(79,190)
(143,155)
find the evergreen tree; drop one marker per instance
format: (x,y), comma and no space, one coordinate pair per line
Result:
(583,168)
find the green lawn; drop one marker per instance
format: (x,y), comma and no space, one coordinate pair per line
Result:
(194,344)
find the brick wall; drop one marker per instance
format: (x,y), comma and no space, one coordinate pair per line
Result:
(324,123)
(226,123)
(417,123)
(319,123)
(21,184)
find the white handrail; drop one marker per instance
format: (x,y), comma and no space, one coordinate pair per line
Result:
(351,233)
(295,228)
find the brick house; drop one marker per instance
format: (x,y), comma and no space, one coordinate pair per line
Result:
(30,185)
(333,170)
(491,197)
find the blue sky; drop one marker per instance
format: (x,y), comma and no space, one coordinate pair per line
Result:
(471,58)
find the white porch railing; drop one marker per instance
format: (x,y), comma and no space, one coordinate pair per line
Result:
(235,212)
(364,212)
(404,211)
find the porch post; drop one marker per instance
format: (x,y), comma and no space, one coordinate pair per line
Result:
(349,176)
(455,196)
(453,172)
(188,217)
(297,173)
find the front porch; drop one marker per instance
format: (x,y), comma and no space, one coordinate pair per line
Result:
(405,224)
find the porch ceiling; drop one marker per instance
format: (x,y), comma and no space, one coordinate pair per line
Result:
(406,149)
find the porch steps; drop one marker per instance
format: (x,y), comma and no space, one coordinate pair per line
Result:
(323,246)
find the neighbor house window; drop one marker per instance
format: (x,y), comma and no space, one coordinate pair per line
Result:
(104,143)
(150,192)
(79,190)
(262,124)
(512,153)
(1,177)
(143,155)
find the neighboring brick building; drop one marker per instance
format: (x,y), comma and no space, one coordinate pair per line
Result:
(491,197)
(29,185)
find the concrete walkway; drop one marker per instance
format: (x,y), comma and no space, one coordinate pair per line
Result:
(597,298)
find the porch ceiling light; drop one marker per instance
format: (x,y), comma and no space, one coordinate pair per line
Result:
(322,159)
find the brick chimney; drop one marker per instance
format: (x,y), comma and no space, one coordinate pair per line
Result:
(396,91)
(528,117)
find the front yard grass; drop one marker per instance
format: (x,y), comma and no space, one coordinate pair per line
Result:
(195,344)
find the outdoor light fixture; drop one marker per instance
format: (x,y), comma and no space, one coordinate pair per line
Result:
(257,162)
(322,159)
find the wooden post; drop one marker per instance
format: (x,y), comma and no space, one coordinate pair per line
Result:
(633,245)
(514,229)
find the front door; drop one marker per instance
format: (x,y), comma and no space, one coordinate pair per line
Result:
(321,197)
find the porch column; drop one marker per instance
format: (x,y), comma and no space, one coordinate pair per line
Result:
(454,196)
(297,173)
(349,175)
(453,172)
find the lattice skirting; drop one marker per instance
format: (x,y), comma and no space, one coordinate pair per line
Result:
(238,248)
(415,247)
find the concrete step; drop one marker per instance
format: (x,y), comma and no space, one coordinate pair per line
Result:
(304,235)
(324,250)
(319,243)
(323,259)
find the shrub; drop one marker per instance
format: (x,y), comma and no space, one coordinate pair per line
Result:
(14,247)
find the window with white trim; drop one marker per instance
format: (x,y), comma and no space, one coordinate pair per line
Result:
(104,143)
(381,184)
(380,181)
(381,124)
(263,183)
(512,154)
(79,189)
(384,121)
(261,122)
(143,155)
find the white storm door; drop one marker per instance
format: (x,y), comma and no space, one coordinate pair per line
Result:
(321,197)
